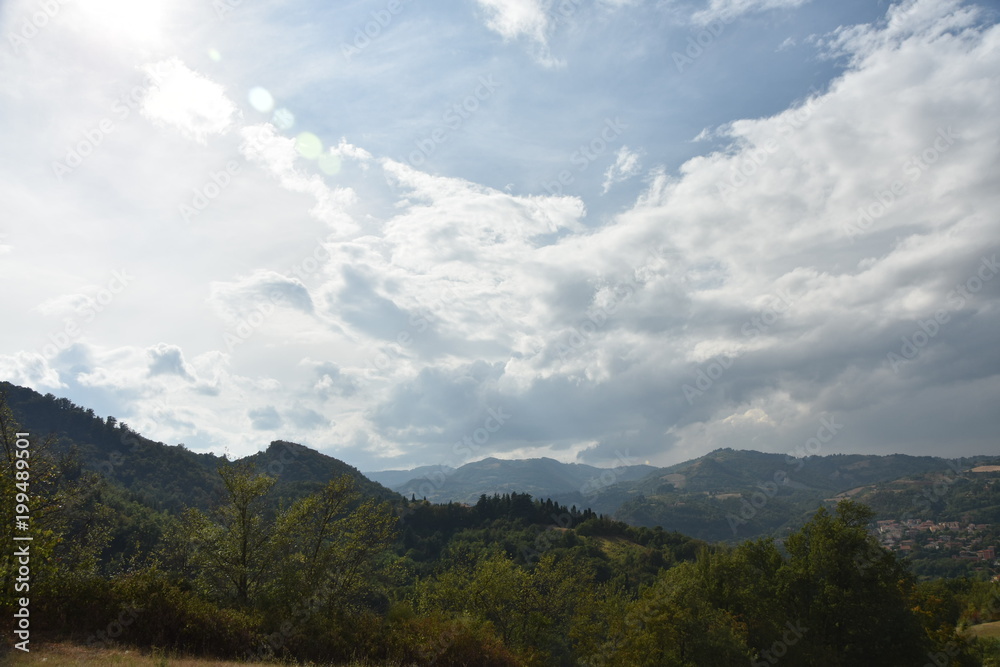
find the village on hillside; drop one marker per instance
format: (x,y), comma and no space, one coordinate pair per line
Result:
(974,542)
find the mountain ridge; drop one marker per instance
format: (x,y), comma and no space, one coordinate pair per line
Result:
(725,495)
(137,463)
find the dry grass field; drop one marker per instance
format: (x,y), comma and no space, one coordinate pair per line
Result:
(75,655)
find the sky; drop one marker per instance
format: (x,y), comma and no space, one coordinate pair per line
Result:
(603,231)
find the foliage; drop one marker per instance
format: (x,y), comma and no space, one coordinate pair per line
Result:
(299,569)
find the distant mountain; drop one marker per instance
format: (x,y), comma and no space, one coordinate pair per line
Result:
(394,478)
(164,476)
(727,495)
(731,495)
(542,478)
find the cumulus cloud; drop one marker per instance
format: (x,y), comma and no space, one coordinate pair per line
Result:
(261,289)
(515,19)
(778,288)
(832,260)
(263,145)
(345,150)
(265,419)
(168,360)
(29,369)
(180,97)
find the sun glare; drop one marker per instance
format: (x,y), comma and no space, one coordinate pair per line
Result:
(126,19)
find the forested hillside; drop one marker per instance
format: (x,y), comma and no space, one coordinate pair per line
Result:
(294,561)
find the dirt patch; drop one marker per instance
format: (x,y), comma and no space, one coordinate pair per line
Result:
(985,629)
(677,479)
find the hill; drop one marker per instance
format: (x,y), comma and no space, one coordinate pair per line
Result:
(163,476)
(731,495)
(569,483)
(397,478)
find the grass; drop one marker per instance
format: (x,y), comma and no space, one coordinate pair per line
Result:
(67,655)
(64,654)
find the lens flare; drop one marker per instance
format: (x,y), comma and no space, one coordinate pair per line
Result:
(329,164)
(283,119)
(260,99)
(308,145)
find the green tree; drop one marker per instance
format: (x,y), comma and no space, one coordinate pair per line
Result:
(68,524)
(674,624)
(231,550)
(854,597)
(330,542)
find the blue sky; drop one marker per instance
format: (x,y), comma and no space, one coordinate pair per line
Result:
(640,229)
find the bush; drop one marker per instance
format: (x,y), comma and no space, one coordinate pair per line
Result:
(144,609)
(444,642)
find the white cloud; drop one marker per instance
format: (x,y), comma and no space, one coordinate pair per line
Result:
(277,155)
(512,19)
(168,360)
(627,164)
(265,419)
(438,296)
(346,150)
(186,100)
(910,22)
(29,369)
(727,10)
(515,19)
(268,289)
